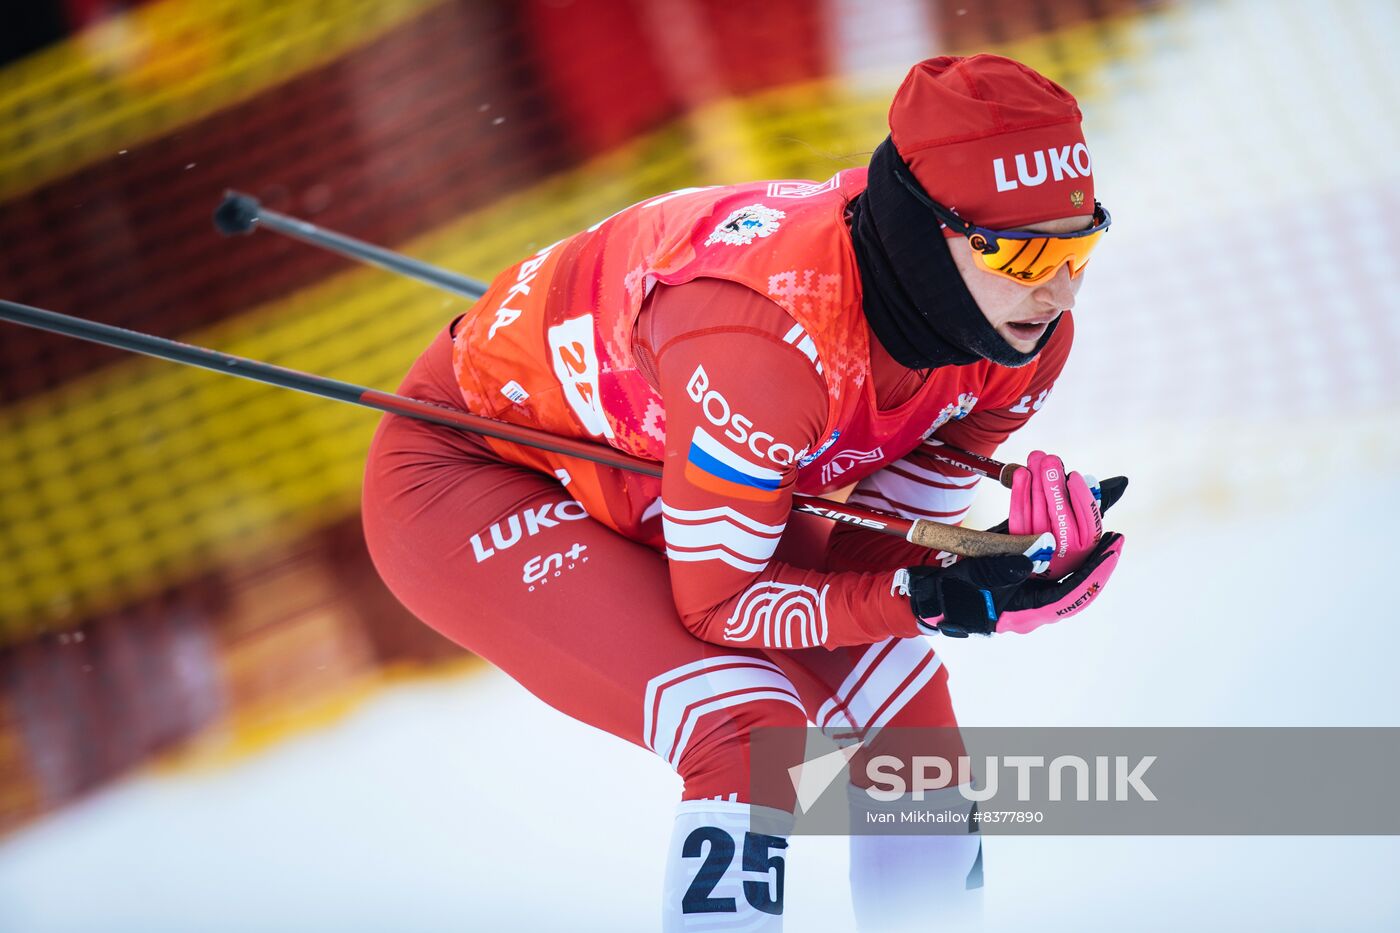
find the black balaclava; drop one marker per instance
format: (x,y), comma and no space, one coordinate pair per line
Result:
(914,297)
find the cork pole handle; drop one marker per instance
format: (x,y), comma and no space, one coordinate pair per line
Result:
(967,542)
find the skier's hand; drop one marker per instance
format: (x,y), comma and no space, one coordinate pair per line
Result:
(1107,491)
(983,595)
(1069,506)
(1045,497)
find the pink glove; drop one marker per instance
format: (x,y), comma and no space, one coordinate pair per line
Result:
(986,595)
(1044,498)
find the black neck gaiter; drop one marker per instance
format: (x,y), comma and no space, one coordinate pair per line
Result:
(913,295)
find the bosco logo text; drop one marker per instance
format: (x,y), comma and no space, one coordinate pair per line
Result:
(737,427)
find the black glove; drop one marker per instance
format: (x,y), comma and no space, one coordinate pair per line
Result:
(1110,491)
(982,595)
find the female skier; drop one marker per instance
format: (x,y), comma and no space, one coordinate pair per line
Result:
(758,340)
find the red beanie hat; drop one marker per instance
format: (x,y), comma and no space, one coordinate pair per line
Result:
(994,140)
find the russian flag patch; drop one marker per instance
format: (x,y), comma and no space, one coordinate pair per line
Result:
(715,468)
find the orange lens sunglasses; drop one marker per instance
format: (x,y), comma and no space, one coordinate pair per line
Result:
(1020,255)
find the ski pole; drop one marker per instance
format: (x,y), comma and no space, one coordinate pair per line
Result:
(934,535)
(983,466)
(242,213)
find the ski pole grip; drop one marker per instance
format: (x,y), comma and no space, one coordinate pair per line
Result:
(968,542)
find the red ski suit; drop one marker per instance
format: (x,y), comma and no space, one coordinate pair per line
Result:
(718,331)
